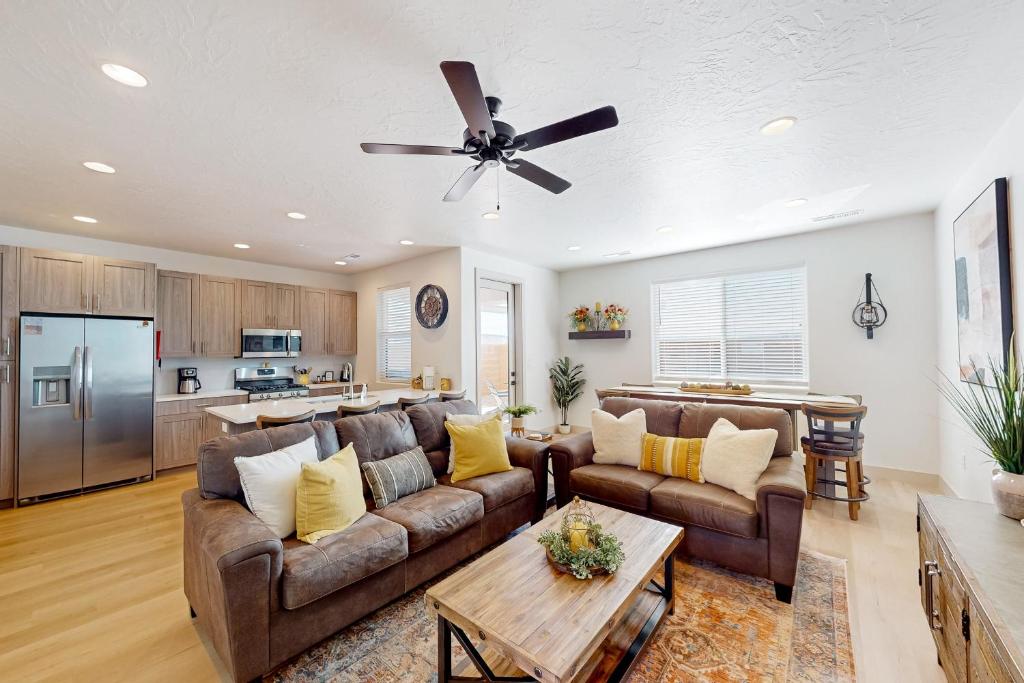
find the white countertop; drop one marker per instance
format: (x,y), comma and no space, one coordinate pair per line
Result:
(245,413)
(213,393)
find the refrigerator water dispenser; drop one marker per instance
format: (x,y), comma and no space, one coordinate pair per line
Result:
(51,386)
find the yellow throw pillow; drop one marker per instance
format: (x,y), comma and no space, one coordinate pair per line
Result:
(673,457)
(329,496)
(478,449)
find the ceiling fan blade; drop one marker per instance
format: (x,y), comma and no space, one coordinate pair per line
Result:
(591,122)
(379,148)
(461,77)
(538,176)
(465,181)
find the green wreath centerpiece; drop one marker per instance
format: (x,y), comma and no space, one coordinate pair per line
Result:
(579,547)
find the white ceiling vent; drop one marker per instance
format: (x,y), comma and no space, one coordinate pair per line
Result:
(837,215)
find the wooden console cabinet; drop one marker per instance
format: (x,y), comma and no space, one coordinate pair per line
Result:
(972,588)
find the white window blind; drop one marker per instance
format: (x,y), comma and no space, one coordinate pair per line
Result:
(394,335)
(748,328)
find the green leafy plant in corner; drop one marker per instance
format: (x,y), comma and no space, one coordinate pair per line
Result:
(566,384)
(995,413)
(521,410)
(606,553)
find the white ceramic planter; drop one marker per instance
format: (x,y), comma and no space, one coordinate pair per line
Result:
(564,429)
(1008,492)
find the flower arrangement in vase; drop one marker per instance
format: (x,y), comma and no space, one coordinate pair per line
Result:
(580,317)
(615,315)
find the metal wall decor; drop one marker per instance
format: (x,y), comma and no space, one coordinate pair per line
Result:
(431,306)
(869,312)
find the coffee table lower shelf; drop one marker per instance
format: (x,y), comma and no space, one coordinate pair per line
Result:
(611,662)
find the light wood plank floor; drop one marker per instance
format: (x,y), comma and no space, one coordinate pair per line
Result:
(90,587)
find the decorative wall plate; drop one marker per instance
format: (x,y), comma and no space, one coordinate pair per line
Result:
(431,306)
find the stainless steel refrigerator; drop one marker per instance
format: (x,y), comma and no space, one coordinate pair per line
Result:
(85,416)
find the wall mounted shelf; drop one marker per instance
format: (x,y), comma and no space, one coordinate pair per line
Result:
(600,334)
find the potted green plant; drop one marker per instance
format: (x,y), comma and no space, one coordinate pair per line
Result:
(996,416)
(518,413)
(566,386)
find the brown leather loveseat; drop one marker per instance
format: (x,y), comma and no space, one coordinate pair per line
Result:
(263,600)
(759,537)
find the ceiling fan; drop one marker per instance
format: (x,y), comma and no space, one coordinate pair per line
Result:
(492,142)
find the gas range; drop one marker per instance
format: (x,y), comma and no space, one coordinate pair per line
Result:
(269,384)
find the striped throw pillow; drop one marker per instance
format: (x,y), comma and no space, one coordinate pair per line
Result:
(673,457)
(391,478)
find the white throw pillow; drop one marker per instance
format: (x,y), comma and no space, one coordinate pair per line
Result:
(464,420)
(736,458)
(269,482)
(618,440)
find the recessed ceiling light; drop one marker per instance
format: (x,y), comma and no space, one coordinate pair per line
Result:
(240,245)
(85,219)
(296,215)
(664,228)
(341,263)
(793,203)
(778,126)
(99,167)
(125,76)
(301,245)
(406,243)
(490,215)
(574,247)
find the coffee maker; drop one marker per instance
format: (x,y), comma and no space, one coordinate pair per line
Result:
(188,381)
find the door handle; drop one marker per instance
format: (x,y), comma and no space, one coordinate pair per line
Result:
(76,384)
(932,570)
(7,345)
(88,384)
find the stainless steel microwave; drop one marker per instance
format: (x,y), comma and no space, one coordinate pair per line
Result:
(271,343)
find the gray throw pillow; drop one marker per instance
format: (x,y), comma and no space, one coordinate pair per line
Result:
(391,478)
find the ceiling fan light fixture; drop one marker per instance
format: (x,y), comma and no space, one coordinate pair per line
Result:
(490,215)
(778,126)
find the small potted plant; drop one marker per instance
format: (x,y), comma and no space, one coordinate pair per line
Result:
(996,415)
(566,387)
(580,317)
(615,315)
(518,413)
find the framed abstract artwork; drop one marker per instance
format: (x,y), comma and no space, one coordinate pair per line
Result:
(984,312)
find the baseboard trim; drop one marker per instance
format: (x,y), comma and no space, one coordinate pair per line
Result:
(919,479)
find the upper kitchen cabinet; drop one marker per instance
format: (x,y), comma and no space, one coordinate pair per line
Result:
(123,287)
(56,282)
(286,307)
(220,308)
(9,310)
(341,323)
(177,313)
(59,282)
(313,321)
(269,305)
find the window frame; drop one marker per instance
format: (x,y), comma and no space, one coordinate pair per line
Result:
(759,382)
(381,335)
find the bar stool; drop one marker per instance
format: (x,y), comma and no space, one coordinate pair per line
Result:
(825,442)
(404,401)
(264,421)
(452,395)
(369,409)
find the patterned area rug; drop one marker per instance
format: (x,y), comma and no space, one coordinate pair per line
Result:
(726,627)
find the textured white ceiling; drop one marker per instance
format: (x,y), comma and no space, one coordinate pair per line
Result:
(257,108)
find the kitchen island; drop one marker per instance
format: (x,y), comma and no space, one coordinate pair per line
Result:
(240,418)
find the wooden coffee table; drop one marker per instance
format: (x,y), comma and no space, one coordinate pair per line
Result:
(520,619)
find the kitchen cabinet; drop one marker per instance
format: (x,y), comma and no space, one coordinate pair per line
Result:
(341,323)
(220,308)
(8,426)
(269,305)
(61,282)
(122,287)
(286,307)
(9,311)
(313,321)
(177,313)
(181,426)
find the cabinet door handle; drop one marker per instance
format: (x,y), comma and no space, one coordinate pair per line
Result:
(931,571)
(96,306)
(84,305)
(7,345)
(7,374)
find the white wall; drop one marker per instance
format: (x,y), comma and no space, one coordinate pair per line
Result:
(440,347)
(893,371)
(214,373)
(539,334)
(963,467)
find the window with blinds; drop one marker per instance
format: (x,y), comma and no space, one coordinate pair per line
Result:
(746,327)
(394,334)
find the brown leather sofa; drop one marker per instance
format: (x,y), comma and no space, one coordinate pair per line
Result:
(759,537)
(263,600)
